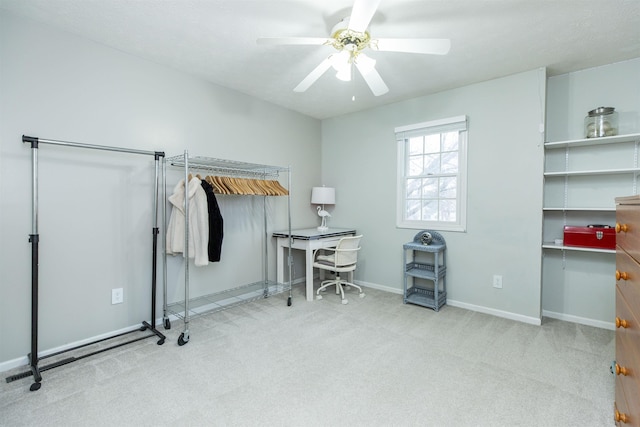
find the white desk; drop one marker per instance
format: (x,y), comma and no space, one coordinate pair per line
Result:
(308,240)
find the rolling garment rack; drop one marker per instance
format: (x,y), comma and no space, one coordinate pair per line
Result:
(34,359)
(224,169)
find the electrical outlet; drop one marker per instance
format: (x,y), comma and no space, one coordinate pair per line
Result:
(117,296)
(497,281)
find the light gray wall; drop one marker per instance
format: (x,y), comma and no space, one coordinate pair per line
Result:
(95,207)
(505,158)
(570,96)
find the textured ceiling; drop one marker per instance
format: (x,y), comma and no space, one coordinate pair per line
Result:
(216,40)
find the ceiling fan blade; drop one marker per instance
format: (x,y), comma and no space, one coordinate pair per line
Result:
(313,76)
(293,40)
(373,79)
(427,46)
(361,14)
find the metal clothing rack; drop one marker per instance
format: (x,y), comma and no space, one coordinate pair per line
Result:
(190,307)
(35,369)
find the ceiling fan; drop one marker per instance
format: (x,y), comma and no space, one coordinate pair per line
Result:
(350,38)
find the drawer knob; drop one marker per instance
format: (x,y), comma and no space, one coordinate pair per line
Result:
(621,323)
(621,227)
(622,275)
(620,417)
(621,370)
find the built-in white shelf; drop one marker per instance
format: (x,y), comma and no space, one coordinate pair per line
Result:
(551,245)
(592,172)
(563,209)
(593,141)
(592,186)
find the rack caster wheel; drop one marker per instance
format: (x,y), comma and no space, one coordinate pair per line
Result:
(289,302)
(143,328)
(35,386)
(181,340)
(160,342)
(167,324)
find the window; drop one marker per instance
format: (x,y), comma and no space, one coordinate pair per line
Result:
(432,172)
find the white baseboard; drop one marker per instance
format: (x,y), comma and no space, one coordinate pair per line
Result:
(24,361)
(466,306)
(494,312)
(14,363)
(581,320)
(472,307)
(379,287)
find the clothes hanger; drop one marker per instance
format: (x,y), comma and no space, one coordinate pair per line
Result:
(280,190)
(214,184)
(264,190)
(228,182)
(222,185)
(255,189)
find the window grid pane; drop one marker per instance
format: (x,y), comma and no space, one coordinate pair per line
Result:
(416,145)
(432,143)
(416,165)
(431,181)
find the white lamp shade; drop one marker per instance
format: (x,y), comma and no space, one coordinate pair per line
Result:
(323,196)
(340,60)
(344,74)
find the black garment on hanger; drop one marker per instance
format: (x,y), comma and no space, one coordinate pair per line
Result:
(215,223)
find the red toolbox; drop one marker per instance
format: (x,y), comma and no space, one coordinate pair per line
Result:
(590,236)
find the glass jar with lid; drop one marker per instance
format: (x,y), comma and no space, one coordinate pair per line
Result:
(602,121)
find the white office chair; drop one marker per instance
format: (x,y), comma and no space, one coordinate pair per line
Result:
(343,259)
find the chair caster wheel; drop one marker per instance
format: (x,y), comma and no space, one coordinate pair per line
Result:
(345,301)
(318,296)
(362,295)
(347,287)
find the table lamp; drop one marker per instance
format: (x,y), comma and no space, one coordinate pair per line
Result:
(323,196)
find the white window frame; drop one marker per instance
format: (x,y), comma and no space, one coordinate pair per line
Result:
(403,133)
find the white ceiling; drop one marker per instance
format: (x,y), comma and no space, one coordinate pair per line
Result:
(216,40)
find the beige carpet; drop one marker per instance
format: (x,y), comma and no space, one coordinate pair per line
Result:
(373,362)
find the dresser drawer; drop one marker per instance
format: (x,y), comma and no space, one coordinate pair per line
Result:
(621,408)
(628,229)
(627,384)
(627,324)
(628,278)
(622,414)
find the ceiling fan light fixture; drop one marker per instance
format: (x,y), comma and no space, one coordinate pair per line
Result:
(344,74)
(340,60)
(350,37)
